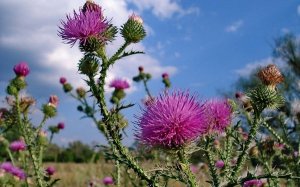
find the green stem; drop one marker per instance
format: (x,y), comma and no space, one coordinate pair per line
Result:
(25,132)
(211,164)
(98,92)
(10,156)
(242,157)
(147,89)
(271,130)
(118,173)
(186,168)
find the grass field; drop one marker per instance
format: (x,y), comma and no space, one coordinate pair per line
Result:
(80,175)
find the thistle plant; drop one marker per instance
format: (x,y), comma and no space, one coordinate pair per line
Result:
(25,152)
(175,122)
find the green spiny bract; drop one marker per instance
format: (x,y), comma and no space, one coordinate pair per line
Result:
(92,44)
(110,33)
(263,97)
(67,87)
(133,31)
(88,65)
(49,110)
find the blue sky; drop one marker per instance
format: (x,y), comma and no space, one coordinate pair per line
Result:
(204,45)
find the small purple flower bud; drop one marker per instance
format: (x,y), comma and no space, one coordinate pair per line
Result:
(62,80)
(165,75)
(253,183)
(61,125)
(21,69)
(53,101)
(141,68)
(108,181)
(119,84)
(136,18)
(220,164)
(50,170)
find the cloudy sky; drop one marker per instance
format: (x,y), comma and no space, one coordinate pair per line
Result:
(204,46)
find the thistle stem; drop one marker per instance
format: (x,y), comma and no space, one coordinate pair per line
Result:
(211,164)
(25,133)
(147,89)
(242,156)
(186,169)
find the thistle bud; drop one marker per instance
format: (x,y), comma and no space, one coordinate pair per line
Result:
(62,80)
(270,76)
(88,66)
(21,69)
(141,68)
(253,152)
(80,92)
(67,87)
(133,30)
(91,6)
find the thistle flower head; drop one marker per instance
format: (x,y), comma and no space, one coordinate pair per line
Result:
(18,145)
(17,172)
(218,114)
(253,183)
(88,23)
(270,75)
(21,69)
(108,181)
(171,120)
(119,84)
(6,166)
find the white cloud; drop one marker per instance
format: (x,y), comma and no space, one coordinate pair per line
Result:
(33,28)
(246,71)
(250,67)
(163,8)
(298,9)
(234,26)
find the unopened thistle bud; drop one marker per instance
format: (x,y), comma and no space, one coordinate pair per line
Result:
(91,6)
(67,87)
(166,80)
(88,66)
(133,30)
(80,92)
(270,76)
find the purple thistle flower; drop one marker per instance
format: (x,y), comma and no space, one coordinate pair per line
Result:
(218,114)
(171,120)
(6,166)
(21,69)
(253,183)
(220,164)
(83,25)
(15,171)
(63,80)
(50,170)
(61,125)
(108,180)
(119,84)
(18,145)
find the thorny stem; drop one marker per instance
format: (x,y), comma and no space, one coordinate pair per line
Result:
(211,164)
(271,130)
(98,92)
(186,168)
(147,89)
(35,161)
(242,156)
